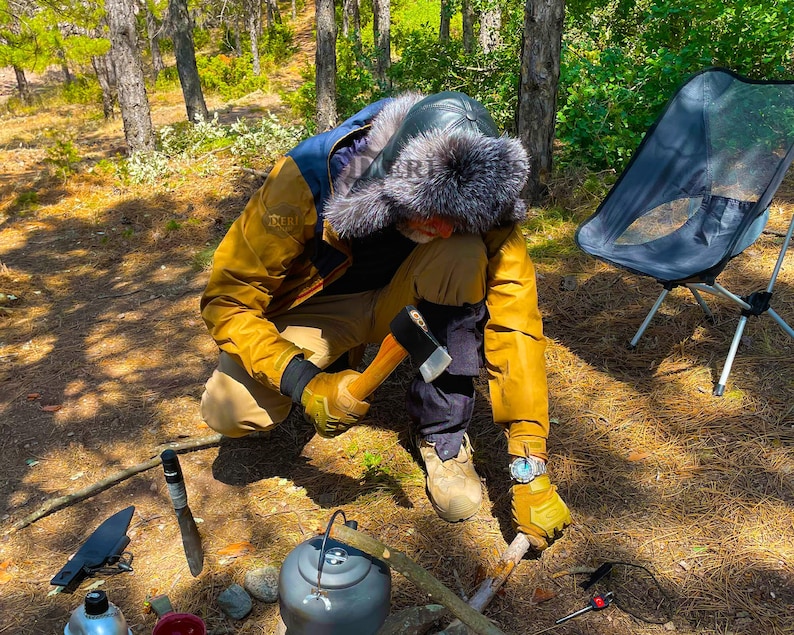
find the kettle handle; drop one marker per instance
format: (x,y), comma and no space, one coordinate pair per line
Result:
(348,523)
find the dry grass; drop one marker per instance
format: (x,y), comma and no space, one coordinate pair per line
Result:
(657,471)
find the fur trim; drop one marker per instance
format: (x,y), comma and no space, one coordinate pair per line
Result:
(384,125)
(469,178)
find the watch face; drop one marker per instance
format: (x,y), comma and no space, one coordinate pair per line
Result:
(521,471)
(524,470)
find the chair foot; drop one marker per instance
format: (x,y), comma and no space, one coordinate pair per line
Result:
(630,346)
(718,390)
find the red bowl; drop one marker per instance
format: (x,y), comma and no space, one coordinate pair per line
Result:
(180,624)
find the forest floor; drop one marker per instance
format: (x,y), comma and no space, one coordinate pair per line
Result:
(103,358)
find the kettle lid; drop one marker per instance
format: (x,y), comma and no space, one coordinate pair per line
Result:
(343,565)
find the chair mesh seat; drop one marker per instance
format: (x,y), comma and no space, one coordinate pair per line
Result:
(700,182)
(697,191)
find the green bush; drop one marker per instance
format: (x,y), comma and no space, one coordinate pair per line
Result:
(230,76)
(84,89)
(278,43)
(264,142)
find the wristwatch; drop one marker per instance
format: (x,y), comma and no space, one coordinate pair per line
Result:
(526,469)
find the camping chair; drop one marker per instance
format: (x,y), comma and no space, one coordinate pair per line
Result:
(696,193)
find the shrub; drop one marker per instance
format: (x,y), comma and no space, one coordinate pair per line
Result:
(264,142)
(231,77)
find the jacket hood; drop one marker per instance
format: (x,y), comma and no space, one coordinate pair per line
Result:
(434,156)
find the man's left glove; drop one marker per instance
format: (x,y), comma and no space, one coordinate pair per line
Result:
(325,398)
(538,511)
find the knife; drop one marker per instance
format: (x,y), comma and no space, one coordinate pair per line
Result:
(104,547)
(191,540)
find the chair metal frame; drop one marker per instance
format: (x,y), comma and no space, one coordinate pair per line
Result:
(755,304)
(705,173)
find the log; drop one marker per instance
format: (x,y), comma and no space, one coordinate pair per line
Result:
(491,585)
(54,504)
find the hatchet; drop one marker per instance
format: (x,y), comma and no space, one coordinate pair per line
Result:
(408,336)
(191,540)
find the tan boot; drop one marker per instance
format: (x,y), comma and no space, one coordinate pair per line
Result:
(453,486)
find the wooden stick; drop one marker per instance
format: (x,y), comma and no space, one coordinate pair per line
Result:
(490,586)
(54,504)
(416,574)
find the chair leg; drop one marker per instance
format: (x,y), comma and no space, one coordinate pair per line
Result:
(781,322)
(719,389)
(701,302)
(648,318)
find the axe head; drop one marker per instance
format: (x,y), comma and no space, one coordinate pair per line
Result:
(411,332)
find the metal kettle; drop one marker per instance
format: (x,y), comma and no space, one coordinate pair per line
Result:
(326,587)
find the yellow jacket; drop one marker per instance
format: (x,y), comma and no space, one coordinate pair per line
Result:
(280,252)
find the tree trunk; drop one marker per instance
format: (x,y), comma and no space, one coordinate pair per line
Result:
(273,14)
(490,25)
(325,65)
(103,67)
(22,86)
(126,56)
(537,96)
(185,53)
(253,20)
(468,25)
(381,28)
(446,16)
(153,33)
(294,10)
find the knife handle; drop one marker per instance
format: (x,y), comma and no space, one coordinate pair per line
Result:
(174,479)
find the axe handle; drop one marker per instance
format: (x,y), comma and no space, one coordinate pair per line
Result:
(389,356)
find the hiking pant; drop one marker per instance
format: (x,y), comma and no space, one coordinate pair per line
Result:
(445,279)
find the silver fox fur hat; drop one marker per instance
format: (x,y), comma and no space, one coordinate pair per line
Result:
(440,155)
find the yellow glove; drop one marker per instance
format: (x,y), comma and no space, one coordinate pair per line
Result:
(538,511)
(328,404)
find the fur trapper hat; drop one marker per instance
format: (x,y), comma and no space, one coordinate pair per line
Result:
(440,155)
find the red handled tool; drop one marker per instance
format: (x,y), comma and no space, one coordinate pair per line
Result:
(597,603)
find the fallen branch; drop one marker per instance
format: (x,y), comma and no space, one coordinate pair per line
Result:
(54,504)
(260,173)
(490,586)
(418,575)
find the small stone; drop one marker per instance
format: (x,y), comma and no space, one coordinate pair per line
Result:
(669,626)
(235,602)
(262,583)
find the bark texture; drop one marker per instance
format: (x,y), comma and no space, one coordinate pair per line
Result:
(537,97)
(381,28)
(325,65)
(106,76)
(185,52)
(133,101)
(23,88)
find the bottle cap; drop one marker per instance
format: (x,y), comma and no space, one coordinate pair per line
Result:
(96,603)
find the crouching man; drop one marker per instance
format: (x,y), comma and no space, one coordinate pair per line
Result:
(413,200)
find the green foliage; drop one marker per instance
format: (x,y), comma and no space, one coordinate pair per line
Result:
(201,38)
(62,155)
(167,79)
(188,140)
(144,168)
(278,43)
(264,142)
(231,77)
(622,61)
(303,101)
(430,66)
(85,89)
(26,202)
